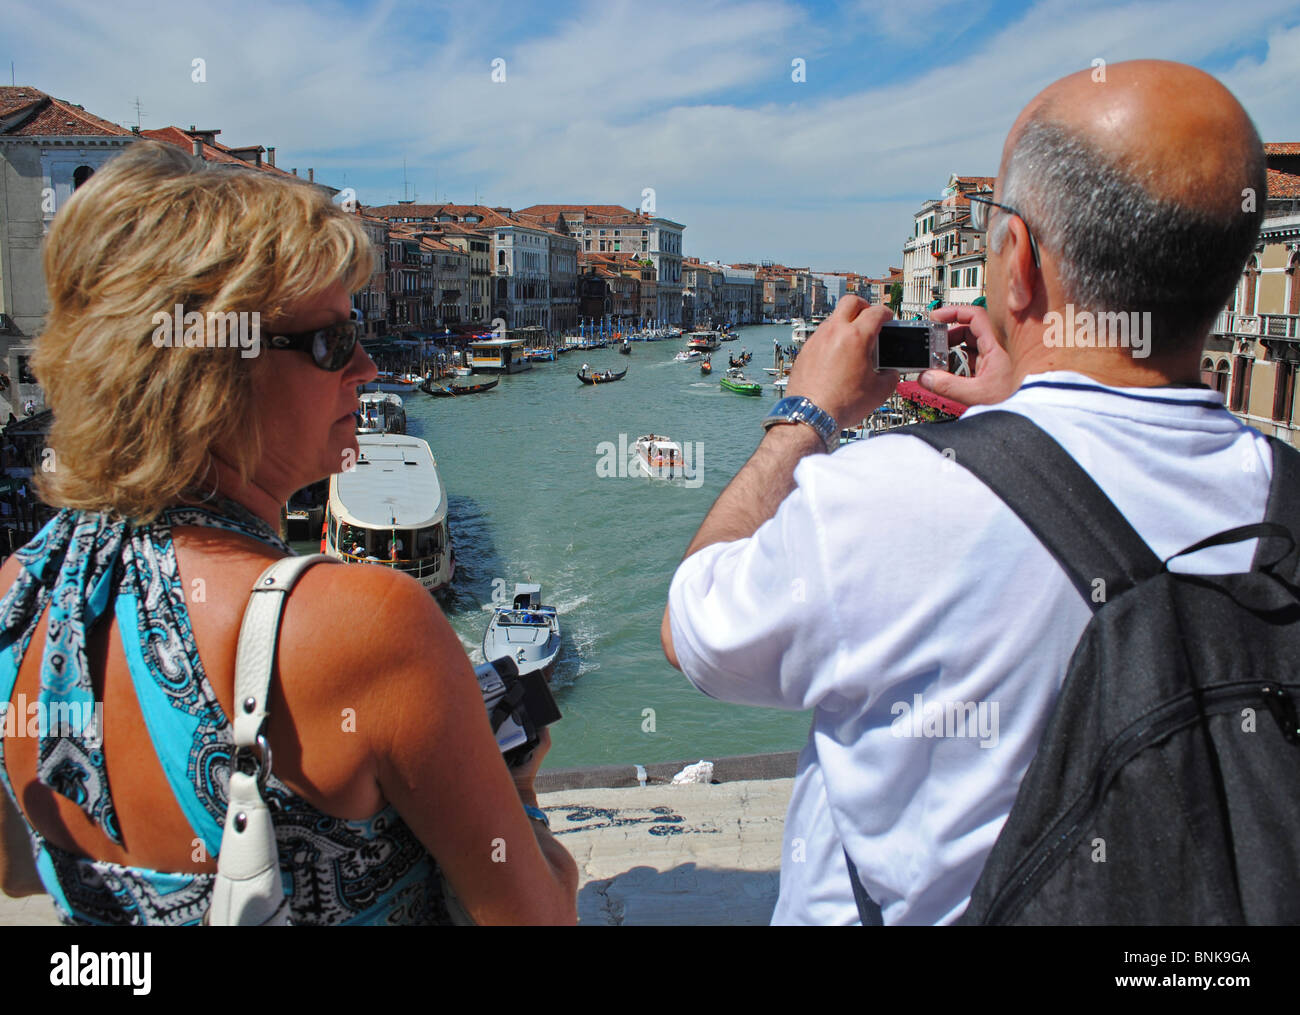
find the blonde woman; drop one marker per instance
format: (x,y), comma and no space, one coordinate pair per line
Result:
(171,464)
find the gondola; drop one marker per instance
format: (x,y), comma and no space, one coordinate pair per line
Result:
(706,365)
(602,376)
(625,348)
(744,358)
(452,390)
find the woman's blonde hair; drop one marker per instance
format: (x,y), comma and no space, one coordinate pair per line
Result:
(134,423)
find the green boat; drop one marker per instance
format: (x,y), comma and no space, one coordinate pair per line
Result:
(734,380)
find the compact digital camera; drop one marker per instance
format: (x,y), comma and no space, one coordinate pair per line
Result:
(912,346)
(518,707)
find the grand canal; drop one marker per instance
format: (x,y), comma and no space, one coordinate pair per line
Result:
(531,498)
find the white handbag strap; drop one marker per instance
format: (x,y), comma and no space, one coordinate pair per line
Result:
(259,636)
(248,888)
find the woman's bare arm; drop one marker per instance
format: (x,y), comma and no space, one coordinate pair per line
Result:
(438,764)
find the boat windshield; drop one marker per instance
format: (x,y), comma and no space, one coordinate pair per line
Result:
(530,618)
(390,544)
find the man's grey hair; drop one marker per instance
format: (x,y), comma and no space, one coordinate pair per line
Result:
(1120,248)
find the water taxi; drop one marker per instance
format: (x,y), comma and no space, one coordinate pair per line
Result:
(735,380)
(381,412)
(687,356)
(801,332)
(391,509)
(525,631)
(659,457)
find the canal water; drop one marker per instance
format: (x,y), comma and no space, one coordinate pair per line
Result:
(539,490)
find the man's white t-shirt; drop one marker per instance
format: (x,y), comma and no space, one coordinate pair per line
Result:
(892,587)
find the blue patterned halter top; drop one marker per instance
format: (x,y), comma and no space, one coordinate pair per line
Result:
(82,565)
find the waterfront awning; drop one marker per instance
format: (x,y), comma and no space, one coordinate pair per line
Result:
(913,392)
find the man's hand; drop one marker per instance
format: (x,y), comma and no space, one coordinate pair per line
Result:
(833,369)
(993,381)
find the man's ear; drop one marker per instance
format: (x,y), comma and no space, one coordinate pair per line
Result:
(1021,274)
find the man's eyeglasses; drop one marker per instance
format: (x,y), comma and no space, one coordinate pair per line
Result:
(331,348)
(979,219)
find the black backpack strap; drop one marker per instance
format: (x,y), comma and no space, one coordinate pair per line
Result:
(1283,507)
(1059,502)
(868,912)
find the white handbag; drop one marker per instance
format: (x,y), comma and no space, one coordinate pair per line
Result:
(248,889)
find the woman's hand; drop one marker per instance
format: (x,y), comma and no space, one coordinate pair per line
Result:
(525,774)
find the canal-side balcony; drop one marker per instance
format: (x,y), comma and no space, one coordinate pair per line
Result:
(1265,326)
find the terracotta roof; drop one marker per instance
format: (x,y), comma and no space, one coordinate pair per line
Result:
(12,99)
(1282,184)
(1282,147)
(977,181)
(29,112)
(551,210)
(487,216)
(432,243)
(212,151)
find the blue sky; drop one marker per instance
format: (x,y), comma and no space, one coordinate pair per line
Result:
(600,100)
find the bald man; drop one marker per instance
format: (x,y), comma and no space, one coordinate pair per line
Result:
(887,589)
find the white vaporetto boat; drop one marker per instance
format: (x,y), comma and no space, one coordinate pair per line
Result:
(391,509)
(525,631)
(659,457)
(801,332)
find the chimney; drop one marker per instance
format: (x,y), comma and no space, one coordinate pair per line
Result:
(311,176)
(198,148)
(270,157)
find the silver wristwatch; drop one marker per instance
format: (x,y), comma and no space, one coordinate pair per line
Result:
(800,410)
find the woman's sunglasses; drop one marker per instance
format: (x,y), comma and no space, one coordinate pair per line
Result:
(331,348)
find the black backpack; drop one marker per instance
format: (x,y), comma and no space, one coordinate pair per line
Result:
(1166,787)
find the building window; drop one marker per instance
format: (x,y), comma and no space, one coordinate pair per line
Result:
(1242,367)
(80,175)
(1283,392)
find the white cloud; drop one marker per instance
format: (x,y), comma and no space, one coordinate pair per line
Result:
(620,96)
